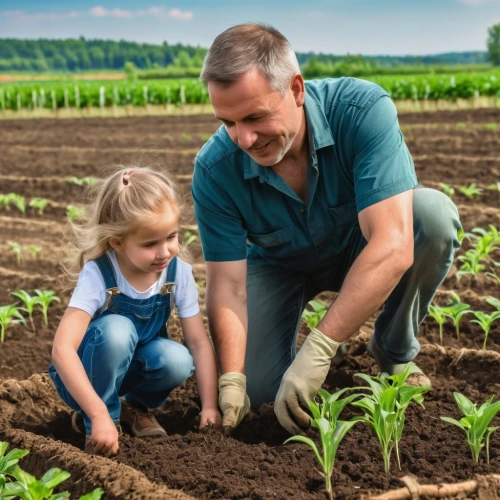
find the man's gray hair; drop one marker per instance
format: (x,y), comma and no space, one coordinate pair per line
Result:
(244,46)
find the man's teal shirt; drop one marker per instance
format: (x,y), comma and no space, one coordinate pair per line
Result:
(358,157)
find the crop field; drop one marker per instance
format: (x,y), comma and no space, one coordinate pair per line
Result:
(48,159)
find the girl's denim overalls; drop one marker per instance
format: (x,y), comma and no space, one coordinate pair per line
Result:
(125,350)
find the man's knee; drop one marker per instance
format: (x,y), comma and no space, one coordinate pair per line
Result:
(436,221)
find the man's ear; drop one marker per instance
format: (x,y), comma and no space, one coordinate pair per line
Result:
(117,244)
(298,88)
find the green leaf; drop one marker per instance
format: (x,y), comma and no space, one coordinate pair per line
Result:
(454,422)
(54,477)
(465,405)
(309,442)
(94,495)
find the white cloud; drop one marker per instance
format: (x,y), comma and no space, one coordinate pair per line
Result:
(161,12)
(475,2)
(21,15)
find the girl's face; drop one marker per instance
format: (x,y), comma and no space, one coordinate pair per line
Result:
(152,245)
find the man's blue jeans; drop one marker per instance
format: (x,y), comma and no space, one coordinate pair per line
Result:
(117,364)
(277,297)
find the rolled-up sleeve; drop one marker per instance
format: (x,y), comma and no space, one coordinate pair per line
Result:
(223,236)
(383,166)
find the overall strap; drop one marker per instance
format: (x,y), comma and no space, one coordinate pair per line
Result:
(107,271)
(172,269)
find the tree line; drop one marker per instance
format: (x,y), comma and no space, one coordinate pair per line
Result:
(75,55)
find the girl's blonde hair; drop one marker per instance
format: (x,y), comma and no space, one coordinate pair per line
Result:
(116,206)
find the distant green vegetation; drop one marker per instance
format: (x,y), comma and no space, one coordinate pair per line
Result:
(54,95)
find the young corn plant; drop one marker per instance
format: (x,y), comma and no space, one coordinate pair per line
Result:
(18,201)
(470,191)
(34,250)
(493,302)
(44,299)
(39,204)
(475,423)
(190,238)
(456,311)
(439,315)
(471,264)
(447,189)
(16,249)
(29,304)
(74,213)
(313,318)
(5,201)
(485,321)
(385,408)
(331,430)
(9,315)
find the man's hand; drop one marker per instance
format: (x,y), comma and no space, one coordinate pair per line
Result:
(233,399)
(210,416)
(104,435)
(302,380)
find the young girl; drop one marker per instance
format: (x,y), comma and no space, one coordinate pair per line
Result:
(112,359)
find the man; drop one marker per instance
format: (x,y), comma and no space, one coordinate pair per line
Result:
(318,179)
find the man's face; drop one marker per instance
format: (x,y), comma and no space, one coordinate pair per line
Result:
(261,121)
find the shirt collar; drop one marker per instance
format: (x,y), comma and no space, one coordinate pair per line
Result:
(318,129)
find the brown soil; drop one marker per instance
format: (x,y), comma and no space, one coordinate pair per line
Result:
(35,158)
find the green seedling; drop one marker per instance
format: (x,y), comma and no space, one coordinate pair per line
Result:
(491,127)
(493,302)
(44,299)
(471,264)
(186,137)
(447,189)
(456,311)
(331,430)
(470,191)
(190,238)
(74,213)
(439,315)
(5,201)
(34,250)
(475,423)
(9,461)
(485,321)
(313,318)
(9,315)
(84,181)
(28,487)
(29,304)
(18,201)
(39,204)
(386,405)
(15,248)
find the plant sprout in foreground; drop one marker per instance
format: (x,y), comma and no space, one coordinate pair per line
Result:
(456,311)
(313,318)
(44,299)
(386,405)
(475,423)
(331,430)
(9,315)
(485,321)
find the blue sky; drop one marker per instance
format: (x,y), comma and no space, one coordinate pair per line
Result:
(372,27)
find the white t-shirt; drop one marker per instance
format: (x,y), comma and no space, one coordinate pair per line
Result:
(90,292)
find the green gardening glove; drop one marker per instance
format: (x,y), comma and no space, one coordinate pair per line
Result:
(233,400)
(301,381)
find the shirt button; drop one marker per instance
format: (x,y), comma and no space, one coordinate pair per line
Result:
(302,210)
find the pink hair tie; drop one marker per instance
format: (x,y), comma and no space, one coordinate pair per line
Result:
(126,177)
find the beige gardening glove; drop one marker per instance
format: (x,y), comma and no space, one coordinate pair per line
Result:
(233,400)
(302,380)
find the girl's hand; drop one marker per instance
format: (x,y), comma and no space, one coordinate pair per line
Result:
(210,416)
(104,437)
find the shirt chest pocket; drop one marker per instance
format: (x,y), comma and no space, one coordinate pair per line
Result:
(343,221)
(274,239)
